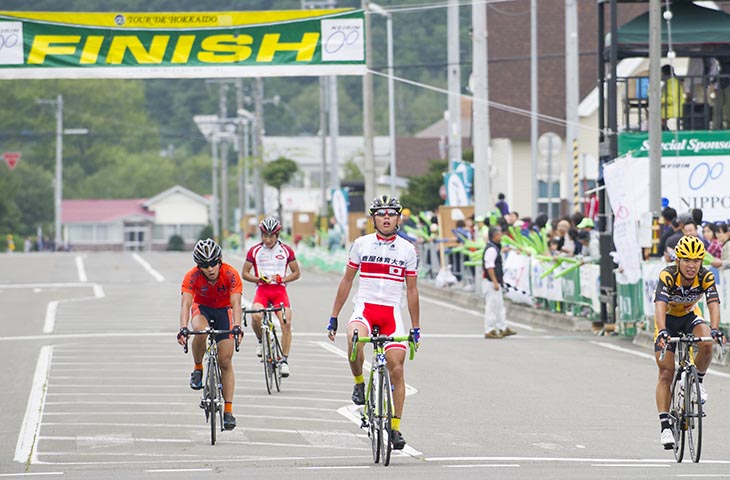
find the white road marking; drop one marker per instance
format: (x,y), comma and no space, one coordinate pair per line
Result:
(50,322)
(477,313)
(29,430)
(29,474)
(617,348)
(642,461)
(630,465)
(157,275)
(341,467)
(80,269)
(179,470)
(480,465)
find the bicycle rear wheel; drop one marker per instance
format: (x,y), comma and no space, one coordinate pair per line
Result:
(211,386)
(676,416)
(693,414)
(386,415)
(278,355)
(267,357)
(373,421)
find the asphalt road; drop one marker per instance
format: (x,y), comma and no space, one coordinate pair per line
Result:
(95,386)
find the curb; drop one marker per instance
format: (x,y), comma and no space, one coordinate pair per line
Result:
(515,312)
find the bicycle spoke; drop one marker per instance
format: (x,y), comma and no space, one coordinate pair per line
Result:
(694,415)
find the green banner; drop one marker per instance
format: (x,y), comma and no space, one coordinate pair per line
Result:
(682,144)
(35,45)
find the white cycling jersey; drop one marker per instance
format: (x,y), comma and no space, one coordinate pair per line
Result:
(384,266)
(270,261)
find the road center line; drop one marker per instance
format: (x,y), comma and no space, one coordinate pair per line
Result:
(477,313)
(80,269)
(157,275)
(24,451)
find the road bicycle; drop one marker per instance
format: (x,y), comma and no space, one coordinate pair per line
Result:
(271,352)
(377,414)
(212,401)
(685,409)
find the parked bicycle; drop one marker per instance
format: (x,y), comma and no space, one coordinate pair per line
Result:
(685,409)
(212,401)
(271,352)
(377,414)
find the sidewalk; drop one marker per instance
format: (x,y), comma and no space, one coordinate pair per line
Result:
(533,316)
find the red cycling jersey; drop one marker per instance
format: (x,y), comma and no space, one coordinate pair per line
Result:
(217,295)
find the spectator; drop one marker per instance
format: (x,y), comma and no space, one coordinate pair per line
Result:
(495,323)
(502,205)
(590,251)
(666,219)
(335,235)
(408,226)
(714,246)
(672,97)
(677,224)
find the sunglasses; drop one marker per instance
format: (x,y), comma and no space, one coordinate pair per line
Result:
(209,264)
(383,213)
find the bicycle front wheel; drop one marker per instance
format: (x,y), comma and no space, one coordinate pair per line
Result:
(693,414)
(386,416)
(211,387)
(371,403)
(267,357)
(676,416)
(278,356)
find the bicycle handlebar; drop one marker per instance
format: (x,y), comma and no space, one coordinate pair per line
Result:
(382,339)
(209,331)
(688,339)
(270,309)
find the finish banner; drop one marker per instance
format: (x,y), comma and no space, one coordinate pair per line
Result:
(43,45)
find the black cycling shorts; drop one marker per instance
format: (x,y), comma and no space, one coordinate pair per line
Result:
(674,325)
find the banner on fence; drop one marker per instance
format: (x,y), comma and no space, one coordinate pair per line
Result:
(517,276)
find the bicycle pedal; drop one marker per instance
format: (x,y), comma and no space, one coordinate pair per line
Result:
(202,404)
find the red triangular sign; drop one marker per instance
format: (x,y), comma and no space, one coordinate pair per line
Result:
(12,158)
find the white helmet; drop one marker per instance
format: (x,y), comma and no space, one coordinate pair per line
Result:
(206,251)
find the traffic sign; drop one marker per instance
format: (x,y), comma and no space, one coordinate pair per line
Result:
(549,143)
(12,158)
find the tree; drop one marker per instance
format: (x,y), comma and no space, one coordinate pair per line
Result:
(423,191)
(278,173)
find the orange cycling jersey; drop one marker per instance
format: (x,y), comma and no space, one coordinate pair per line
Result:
(683,300)
(217,295)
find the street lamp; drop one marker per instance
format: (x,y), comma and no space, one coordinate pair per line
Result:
(377,9)
(58,183)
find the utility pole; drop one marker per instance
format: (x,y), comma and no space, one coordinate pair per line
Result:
(58,239)
(655,131)
(241,177)
(480,107)
(323,142)
(534,107)
(572,87)
(334,131)
(454,83)
(259,145)
(222,116)
(367,113)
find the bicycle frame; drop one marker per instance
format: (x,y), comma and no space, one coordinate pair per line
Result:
(377,414)
(212,401)
(685,410)
(271,347)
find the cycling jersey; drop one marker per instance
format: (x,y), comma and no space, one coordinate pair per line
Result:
(683,300)
(384,266)
(217,295)
(270,261)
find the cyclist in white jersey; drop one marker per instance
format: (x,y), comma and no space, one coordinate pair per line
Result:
(385,262)
(266,265)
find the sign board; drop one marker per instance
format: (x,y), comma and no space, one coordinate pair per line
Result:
(12,158)
(695,171)
(447,218)
(41,45)
(303,224)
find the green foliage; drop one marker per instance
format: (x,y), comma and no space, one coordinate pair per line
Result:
(423,191)
(176,244)
(278,173)
(351,172)
(206,232)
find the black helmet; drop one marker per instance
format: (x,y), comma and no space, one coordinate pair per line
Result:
(270,225)
(383,202)
(206,251)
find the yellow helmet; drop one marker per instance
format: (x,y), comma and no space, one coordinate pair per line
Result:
(690,248)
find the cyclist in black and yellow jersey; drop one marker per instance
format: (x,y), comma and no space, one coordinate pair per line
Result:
(681,286)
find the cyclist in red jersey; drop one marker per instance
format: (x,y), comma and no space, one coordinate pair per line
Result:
(266,265)
(385,262)
(211,296)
